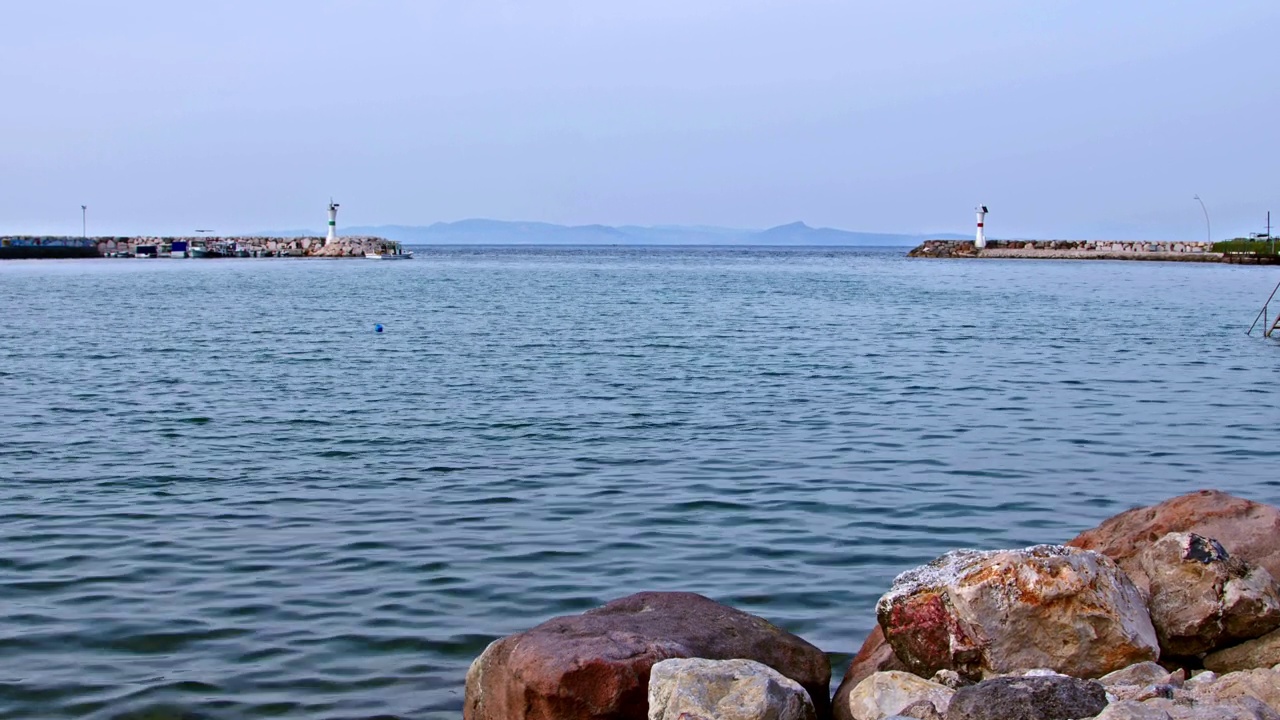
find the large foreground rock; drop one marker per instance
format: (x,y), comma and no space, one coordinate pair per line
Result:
(595,666)
(1029,698)
(890,693)
(983,613)
(1260,652)
(1248,530)
(724,690)
(1202,598)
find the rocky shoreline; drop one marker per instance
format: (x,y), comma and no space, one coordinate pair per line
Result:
(1071,250)
(1169,612)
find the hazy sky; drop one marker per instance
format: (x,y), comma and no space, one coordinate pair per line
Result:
(1068,119)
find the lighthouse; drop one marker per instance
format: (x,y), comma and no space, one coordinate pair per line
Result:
(332,237)
(979,242)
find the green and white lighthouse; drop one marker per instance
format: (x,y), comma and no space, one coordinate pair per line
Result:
(332,237)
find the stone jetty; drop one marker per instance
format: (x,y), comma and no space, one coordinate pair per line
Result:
(1071,250)
(1169,612)
(33,246)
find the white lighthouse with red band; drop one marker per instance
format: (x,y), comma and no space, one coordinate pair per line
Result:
(981,240)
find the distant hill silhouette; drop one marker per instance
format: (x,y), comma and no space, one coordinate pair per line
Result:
(501,232)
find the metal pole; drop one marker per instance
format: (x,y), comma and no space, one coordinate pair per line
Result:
(1263,311)
(1208,230)
(84,222)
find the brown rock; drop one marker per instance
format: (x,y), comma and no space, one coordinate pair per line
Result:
(1248,530)
(922,710)
(1201,598)
(1145,673)
(1262,684)
(875,656)
(984,613)
(595,666)
(1257,653)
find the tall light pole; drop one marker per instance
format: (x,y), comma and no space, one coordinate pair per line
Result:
(1208,229)
(84,221)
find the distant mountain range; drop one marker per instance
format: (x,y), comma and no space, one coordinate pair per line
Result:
(499,232)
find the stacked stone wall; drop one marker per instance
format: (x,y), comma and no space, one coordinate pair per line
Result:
(1070,249)
(347,246)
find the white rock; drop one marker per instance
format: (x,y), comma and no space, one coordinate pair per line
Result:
(888,693)
(1201,677)
(1130,710)
(725,690)
(1143,673)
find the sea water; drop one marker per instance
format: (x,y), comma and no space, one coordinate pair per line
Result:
(226,496)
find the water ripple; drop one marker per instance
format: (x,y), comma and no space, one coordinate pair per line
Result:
(226,497)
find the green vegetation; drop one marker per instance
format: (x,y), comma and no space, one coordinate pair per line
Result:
(1245,245)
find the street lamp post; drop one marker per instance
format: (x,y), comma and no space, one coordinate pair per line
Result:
(84,222)
(1208,229)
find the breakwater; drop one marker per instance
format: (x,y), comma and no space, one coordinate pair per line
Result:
(38,246)
(1072,250)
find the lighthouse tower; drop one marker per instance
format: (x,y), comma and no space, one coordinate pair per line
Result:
(332,237)
(981,240)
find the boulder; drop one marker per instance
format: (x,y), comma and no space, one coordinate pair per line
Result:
(1262,684)
(875,656)
(1257,653)
(1200,677)
(1201,598)
(596,665)
(951,679)
(724,690)
(891,693)
(1029,698)
(985,613)
(922,710)
(1234,709)
(1144,673)
(1132,710)
(1144,692)
(1248,530)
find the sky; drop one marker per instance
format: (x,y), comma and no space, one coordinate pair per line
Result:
(1086,119)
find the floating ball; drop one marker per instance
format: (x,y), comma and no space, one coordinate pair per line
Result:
(377,328)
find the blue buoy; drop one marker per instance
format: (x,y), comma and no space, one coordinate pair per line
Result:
(377,328)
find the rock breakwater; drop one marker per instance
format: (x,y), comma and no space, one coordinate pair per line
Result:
(37,246)
(1070,250)
(1052,632)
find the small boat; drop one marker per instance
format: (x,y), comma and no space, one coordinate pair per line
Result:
(396,254)
(211,251)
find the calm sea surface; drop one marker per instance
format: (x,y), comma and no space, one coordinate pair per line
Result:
(225,496)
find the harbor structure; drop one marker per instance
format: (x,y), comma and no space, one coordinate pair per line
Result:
(203,246)
(981,240)
(332,237)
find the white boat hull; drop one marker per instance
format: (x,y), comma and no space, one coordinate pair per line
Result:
(389,256)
